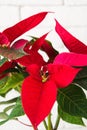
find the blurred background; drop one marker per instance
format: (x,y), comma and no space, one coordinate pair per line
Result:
(72,14)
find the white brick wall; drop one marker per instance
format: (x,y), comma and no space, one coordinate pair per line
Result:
(8,15)
(72,14)
(30,2)
(75,2)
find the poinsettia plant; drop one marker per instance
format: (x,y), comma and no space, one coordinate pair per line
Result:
(40,83)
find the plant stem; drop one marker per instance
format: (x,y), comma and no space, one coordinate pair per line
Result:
(57,122)
(45,125)
(49,122)
(22,122)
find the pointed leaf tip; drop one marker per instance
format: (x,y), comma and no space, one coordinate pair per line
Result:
(38,43)
(38,99)
(23,26)
(72,43)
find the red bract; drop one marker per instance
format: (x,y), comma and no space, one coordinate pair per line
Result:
(36,45)
(37,99)
(72,43)
(11,33)
(50,51)
(71,59)
(3,39)
(39,90)
(19,44)
(7,65)
(42,44)
(33,58)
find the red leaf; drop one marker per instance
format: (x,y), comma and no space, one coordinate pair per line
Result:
(38,43)
(33,58)
(3,39)
(72,43)
(42,44)
(34,71)
(19,44)
(71,59)
(26,48)
(50,51)
(63,75)
(38,99)
(7,65)
(23,26)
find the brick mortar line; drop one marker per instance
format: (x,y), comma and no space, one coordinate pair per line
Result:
(76,5)
(45,5)
(32,4)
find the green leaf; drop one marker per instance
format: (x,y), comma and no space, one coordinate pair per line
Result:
(3,81)
(81,78)
(2,61)
(3,115)
(10,53)
(82,73)
(72,100)
(2,84)
(3,122)
(16,112)
(13,81)
(9,101)
(11,70)
(69,118)
(8,108)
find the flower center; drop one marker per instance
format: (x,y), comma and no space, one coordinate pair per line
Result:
(44,77)
(44,74)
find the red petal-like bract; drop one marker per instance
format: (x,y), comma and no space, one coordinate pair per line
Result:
(63,75)
(45,46)
(50,51)
(19,44)
(3,39)
(38,99)
(38,43)
(33,58)
(72,43)
(23,26)
(26,48)
(7,65)
(34,71)
(71,59)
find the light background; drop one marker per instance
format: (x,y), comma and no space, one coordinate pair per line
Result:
(72,14)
